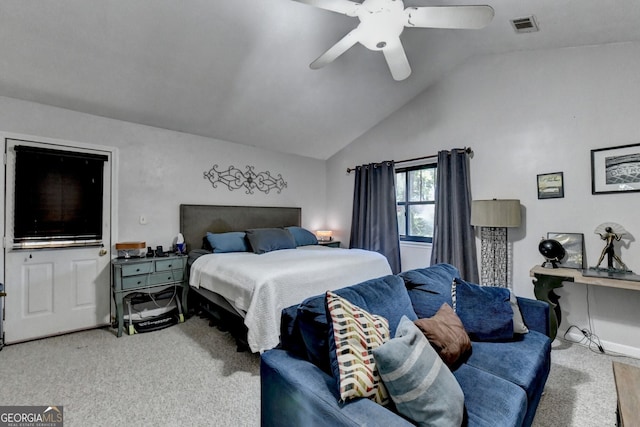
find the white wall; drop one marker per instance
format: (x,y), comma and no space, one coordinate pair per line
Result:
(527,113)
(160,169)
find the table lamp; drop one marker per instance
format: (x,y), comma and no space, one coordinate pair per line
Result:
(324,235)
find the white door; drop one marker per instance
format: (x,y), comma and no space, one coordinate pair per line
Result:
(55,290)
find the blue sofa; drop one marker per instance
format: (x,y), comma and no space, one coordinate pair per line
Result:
(502,380)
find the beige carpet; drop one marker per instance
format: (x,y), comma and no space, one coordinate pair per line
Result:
(190,374)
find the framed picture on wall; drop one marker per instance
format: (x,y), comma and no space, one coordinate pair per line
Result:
(551,185)
(615,169)
(573,244)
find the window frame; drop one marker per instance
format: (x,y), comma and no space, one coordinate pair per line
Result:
(406,203)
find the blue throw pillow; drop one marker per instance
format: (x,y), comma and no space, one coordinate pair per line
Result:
(419,383)
(485,311)
(313,325)
(385,296)
(234,241)
(302,236)
(263,240)
(430,287)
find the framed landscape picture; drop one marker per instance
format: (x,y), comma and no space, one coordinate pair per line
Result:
(615,169)
(573,244)
(551,185)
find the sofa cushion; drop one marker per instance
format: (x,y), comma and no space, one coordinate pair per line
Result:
(485,311)
(430,287)
(523,361)
(385,296)
(290,336)
(356,334)
(446,334)
(490,401)
(420,384)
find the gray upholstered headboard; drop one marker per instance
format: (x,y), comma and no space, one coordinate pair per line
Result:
(196,220)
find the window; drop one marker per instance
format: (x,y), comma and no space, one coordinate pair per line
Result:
(415,196)
(58,195)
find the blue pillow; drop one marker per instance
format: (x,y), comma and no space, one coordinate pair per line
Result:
(233,241)
(263,240)
(302,236)
(485,311)
(420,384)
(430,287)
(384,296)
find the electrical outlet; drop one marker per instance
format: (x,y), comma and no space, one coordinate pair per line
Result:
(143,220)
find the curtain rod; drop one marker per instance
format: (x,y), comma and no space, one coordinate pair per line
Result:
(467,150)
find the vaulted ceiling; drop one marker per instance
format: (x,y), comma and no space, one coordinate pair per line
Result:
(238,70)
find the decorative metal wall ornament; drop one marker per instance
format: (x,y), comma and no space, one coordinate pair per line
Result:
(235,179)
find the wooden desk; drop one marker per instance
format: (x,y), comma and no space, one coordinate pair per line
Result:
(627,380)
(548,279)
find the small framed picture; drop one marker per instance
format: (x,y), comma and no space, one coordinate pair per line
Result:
(551,185)
(615,169)
(573,244)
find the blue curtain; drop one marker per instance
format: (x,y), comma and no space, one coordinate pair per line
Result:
(454,239)
(374,222)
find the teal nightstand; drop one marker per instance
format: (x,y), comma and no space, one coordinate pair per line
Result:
(148,275)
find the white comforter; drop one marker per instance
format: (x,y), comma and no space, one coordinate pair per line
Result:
(262,285)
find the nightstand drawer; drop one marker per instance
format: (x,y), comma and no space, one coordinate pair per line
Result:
(133,282)
(166,277)
(169,264)
(137,268)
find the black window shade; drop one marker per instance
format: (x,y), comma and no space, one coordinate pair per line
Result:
(58,195)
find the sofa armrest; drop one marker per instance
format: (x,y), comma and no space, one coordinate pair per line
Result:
(535,314)
(295,392)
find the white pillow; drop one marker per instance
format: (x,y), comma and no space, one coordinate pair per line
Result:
(518,322)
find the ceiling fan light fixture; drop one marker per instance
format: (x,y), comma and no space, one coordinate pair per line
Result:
(383,21)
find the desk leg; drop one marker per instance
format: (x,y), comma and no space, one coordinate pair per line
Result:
(543,290)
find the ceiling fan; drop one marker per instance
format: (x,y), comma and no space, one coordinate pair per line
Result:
(382,22)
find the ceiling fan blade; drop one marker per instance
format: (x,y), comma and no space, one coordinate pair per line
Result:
(336,50)
(397,59)
(346,7)
(462,17)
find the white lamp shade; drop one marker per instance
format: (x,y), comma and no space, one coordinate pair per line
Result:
(495,213)
(324,235)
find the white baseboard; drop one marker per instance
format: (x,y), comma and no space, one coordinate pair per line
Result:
(608,346)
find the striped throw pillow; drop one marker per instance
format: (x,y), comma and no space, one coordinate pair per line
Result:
(356,333)
(419,383)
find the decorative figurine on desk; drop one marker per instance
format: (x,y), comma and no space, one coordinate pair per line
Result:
(611,232)
(552,251)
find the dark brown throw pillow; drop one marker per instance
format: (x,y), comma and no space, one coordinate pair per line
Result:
(446,334)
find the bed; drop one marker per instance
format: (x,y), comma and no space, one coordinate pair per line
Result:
(254,288)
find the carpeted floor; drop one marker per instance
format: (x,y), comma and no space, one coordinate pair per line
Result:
(191,374)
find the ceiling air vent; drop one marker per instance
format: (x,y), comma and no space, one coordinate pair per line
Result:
(525,25)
